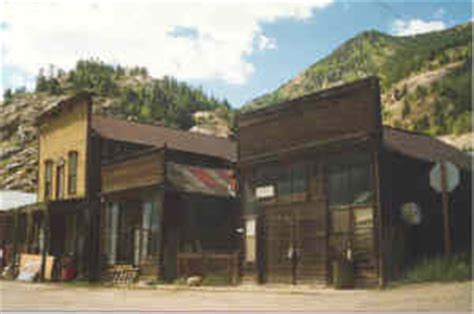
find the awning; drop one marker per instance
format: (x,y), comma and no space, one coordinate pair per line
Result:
(193,179)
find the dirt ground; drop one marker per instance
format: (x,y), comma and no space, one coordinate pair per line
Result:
(440,297)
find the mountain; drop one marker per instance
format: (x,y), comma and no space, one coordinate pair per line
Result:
(125,93)
(425,79)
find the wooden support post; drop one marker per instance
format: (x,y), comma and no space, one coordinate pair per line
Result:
(15,240)
(379,218)
(45,246)
(445,201)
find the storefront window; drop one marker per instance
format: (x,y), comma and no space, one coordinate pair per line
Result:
(150,228)
(350,184)
(112,228)
(286,180)
(292,179)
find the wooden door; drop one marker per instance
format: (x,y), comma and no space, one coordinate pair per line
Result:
(279,243)
(311,244)
(295,245)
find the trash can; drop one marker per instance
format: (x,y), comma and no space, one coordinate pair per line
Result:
(343,274)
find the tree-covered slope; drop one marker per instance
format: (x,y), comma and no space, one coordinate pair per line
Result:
(426,77)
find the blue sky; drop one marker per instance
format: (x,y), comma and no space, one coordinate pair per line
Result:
(239,50)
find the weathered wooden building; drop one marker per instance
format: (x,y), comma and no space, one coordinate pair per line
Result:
(116,192)
(322,178)
(171,208)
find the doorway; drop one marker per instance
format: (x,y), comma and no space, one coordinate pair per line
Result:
(295,245)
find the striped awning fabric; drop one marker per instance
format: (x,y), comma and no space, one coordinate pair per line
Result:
(193,179)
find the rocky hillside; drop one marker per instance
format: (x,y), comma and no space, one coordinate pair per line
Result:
(426,83)
(124,93)
(425,79)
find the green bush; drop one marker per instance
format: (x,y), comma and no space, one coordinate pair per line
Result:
(454,268)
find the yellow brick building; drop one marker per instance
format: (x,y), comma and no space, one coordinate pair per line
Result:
(62,156)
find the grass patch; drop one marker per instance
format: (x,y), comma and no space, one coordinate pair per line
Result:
(442,269)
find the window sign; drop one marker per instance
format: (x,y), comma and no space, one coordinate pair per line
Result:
(250,227)
(266,191)
(250,247)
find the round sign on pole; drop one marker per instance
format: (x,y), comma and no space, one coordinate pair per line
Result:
(452,176)
(411,213)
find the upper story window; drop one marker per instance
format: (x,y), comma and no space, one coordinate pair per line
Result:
(48,179)
(72,172)
(60,179)
(350,184)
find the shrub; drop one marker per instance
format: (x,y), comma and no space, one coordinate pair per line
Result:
(454,268)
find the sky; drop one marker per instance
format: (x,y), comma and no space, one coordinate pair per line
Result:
(234,49)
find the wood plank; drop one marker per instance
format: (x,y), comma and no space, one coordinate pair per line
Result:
(141,171)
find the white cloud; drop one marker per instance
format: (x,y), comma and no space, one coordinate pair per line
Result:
(141,33)
(266,43)
(416,26)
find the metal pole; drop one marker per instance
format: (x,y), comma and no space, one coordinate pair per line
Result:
(445,201)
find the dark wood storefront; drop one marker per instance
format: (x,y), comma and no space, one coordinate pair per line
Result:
(319,156)
(324,181)
(168,216)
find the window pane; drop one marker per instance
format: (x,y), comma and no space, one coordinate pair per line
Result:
(299,179)
(350,184)
(338,186)
(284,182)
(72,172)
(47,179)
(361,184)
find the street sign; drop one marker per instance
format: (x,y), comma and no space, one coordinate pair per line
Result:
(452,177)
(444,178)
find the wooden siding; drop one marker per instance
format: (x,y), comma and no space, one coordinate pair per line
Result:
(58,135)
(310,119)
(138,172)
(302,228)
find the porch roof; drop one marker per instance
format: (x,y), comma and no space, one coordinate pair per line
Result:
(10,199)
(193,179)
(424,147)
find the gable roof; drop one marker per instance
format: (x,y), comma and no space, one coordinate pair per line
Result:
(60,104)
(158,136)
(424,147)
